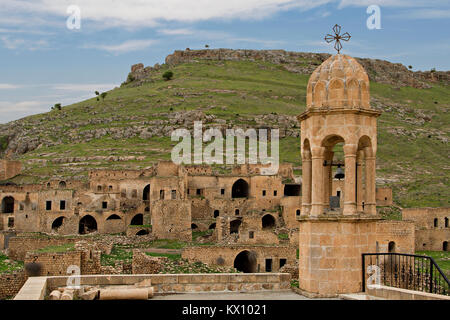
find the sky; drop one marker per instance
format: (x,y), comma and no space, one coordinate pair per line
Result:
(58,51)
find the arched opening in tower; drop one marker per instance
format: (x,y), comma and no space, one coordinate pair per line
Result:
(87,225)
(391,247)
(138,220)
(146,193)
(8,205)
(62,185)
(240,189)
(245,262)
(268,222)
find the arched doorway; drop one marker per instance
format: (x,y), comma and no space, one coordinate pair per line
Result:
(240,189)
(113,217)
(245,262)
(8,205)
(391,247)
(234,226)
(146,193)
(268,222)
(62,184)
(87,225)
(194,226)
(57,223)
(138,220)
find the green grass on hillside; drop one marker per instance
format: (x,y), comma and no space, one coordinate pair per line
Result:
(414,164)
(442,258)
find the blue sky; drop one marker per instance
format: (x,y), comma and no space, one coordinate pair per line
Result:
(42,62)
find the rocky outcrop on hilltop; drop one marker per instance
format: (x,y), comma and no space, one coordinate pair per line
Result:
(304,63)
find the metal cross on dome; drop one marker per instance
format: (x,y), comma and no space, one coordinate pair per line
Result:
(337,37)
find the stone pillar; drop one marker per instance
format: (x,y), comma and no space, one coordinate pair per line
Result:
(327,171)
(306,182)
(359,182)
(370,205)
(350,179)
(317,154)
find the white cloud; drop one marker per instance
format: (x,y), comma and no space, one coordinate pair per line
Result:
(177,32)
(422,14)
(127,46)
(31,45)
(8,86)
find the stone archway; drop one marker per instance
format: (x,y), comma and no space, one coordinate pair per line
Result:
(245,262)
(240,189)
(8,205)
(138,220)
(268,222)
(87,224)
(57,223)
(146,193)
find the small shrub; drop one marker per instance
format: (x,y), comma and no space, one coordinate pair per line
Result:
(168,75)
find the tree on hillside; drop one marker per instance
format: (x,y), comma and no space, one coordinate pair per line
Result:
(167,75)
(103,95)
(57,106)
(97,94)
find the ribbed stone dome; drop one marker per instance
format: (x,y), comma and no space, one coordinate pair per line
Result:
(339,82)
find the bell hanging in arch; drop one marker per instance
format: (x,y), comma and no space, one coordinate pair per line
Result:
(339,173)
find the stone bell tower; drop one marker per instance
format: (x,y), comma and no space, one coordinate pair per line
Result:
(333,239)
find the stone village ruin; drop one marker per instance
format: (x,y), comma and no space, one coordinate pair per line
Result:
(315,227)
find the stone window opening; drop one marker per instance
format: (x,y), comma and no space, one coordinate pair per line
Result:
(240,189)
(48,205)
(10,222)
(104,205)
(292,190)
(222,191)
(99,188)
(216,213)
(275,193)
(62,205)
(110,188)
(146,193)
(161,194)
(436,222)
(268,265)
(268,222)
(264,193)
(194,226)
(445,246)
(62,185)
(282,262)
(234,226)
(391,247)
(297,213)
(338,193)
(21,206)
(8,205)
(251,234)
(236,212)
(174,194)
(446,222)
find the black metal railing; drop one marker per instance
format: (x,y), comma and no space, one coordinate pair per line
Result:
(406,271)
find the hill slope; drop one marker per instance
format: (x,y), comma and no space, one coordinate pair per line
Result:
(131,127)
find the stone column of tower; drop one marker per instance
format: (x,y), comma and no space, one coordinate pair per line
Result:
(332,240)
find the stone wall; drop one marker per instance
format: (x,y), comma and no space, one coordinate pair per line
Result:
(401,233)
(172,220)
(9,169)
(145,264)
(10,284)
(19,246)
(53,263)
(226,255)
(384,197)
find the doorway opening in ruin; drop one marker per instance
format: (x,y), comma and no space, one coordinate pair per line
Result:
(194,226)
(87,225)
(446,222)
(391,247)
(142,233)
(292,190)
(234,226)
(268,222)
(62,185)
(436,222)
(57,223)
(212,226)
(113,217)
(8,205)
(240,189)
(146,193)
(138,220)
(245,262)
(216,213)
(445,246)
